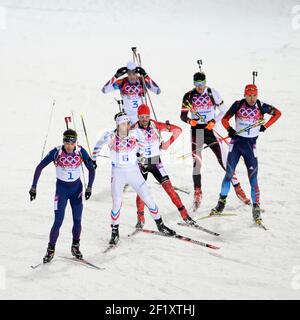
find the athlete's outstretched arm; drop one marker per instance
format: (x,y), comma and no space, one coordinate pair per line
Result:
(100,144)
(48,159)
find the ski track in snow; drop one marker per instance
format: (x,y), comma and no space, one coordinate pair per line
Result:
(67,51)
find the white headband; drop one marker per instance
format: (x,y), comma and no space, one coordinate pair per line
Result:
(131,66)
(122,119)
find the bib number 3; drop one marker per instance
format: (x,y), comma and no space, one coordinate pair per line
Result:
(135,104)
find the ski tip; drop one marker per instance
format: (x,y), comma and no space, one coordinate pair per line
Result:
(36,266)
(213,247)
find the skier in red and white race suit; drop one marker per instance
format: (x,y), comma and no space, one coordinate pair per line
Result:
(202,102)
(131,88)
(125,147)
(150,130)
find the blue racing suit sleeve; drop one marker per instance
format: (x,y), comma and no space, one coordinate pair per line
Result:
(48,159)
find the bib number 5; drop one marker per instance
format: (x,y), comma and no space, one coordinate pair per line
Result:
(125,158)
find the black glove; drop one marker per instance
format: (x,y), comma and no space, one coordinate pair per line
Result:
(231,132)
(120,72)
(32,193)
(88,193)
(141,71)
(262,129)
(94,164)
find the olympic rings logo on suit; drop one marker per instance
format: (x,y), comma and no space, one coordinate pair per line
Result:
(249,113)
(203,102)
(130,89)
(123,144)
(65,161)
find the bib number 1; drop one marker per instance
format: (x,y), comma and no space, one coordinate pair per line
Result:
(70,176)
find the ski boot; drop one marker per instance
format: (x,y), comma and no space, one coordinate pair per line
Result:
(197,198)
(241,194)
(141,220)
(114,235)
(256,214)
(75,250)
(219,207)
(164,229)
(49,254)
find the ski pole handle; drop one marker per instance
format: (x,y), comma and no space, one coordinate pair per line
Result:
(199,64)
(120,103)
(67,120)
(133,53)
(254,74)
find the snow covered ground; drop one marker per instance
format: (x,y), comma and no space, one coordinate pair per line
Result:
(66,50)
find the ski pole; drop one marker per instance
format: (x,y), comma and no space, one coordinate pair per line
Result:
(138,57)
(144,84)
(83,174)
(138,61)
(85,133)
(48,129)
(254,74)
(67,120)
(189,106)
(199,64)
(147,92)
(220,136)
(133,55)
(120,103)
(258,123)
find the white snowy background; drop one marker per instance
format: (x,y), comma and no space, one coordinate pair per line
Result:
(66,50)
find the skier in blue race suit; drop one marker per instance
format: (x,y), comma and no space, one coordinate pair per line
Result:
(248,113)
(68,160)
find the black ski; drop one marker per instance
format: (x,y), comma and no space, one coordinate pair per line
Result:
(82,261)
(197,226)
(37,265)
(110,247)
(180,237)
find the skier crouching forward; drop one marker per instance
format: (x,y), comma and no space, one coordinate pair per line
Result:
(150,130)
(125,147)
(67,159)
